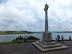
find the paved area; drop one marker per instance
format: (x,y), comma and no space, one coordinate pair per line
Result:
(28,48)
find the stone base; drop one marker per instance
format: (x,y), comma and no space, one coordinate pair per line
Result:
(47,37)
(47,46)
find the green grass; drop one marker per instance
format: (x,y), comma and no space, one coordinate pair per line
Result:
(3,33)
(11,42)
(19,38)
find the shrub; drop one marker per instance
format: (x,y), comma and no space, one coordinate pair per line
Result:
(20,38)
(32,38)
(29,38)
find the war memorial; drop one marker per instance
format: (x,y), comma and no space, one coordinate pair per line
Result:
(46,44)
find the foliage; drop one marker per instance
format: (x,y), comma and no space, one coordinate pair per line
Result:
(32,38)
(29,38)
(20,38)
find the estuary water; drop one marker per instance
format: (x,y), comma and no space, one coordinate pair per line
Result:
(7,38)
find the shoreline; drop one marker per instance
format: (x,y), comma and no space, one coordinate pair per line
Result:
(16,34)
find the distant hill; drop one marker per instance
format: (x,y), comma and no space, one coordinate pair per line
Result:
(57,32)
(62,32)
(14,32)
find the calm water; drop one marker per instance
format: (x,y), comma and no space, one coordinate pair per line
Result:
(7,38)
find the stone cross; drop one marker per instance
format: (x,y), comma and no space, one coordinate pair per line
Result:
(46,18)
(46,35)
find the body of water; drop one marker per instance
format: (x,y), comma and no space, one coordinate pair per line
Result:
(7,38)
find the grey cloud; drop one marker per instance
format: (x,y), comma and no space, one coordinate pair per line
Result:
(29,15)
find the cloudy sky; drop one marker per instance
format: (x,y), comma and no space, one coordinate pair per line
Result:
(29,15)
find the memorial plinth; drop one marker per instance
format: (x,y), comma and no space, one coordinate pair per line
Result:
(47,37)
(46,44)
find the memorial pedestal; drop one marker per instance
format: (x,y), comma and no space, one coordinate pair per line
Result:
(47,37)
(48,46)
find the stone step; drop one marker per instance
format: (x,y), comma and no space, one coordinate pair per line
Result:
(47,43)
(48,49)
(48,46)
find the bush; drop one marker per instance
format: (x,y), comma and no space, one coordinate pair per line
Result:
(29,38)
(32,38)
(20,38)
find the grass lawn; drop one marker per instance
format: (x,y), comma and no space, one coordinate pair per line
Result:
(11,42)
(21,38)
